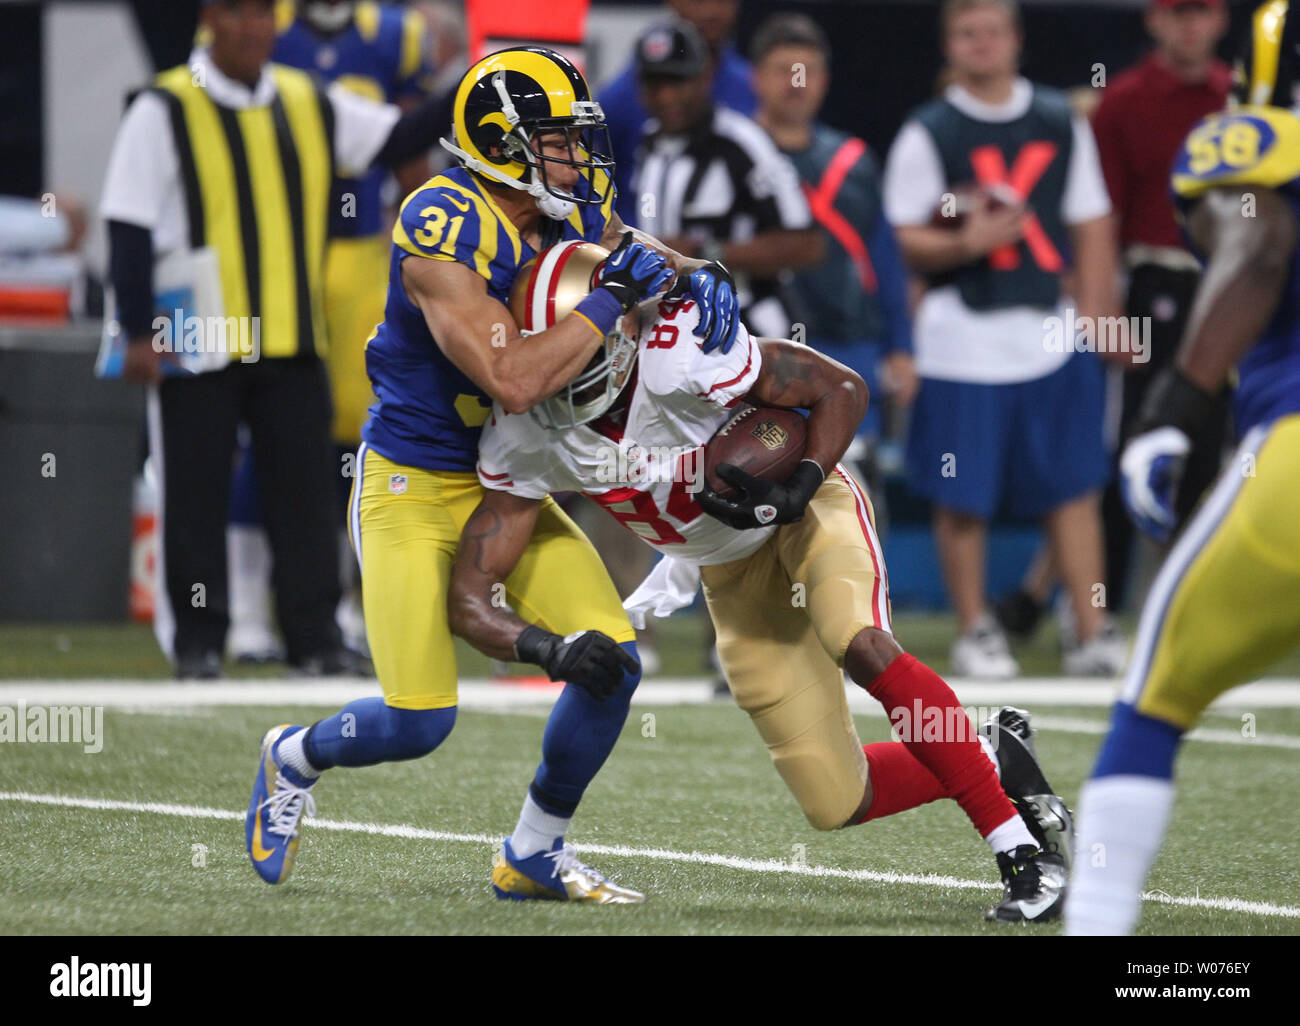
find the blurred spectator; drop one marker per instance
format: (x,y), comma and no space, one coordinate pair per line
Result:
(448,41)
(711,184)
(1141,122)
(730,86)
(1005,419)
(377,51)
(223,167)
(854,303)
(449,55)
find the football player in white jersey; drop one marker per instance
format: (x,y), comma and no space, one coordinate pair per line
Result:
(793,573)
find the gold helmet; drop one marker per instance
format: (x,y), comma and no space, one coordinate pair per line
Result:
(548,289)
(509,98)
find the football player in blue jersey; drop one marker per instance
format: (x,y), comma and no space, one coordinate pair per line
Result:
(533,172)
(1226,603)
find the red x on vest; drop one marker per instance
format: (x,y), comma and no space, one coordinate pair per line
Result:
(1031,162)
(821,201)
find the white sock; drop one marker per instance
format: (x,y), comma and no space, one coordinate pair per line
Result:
(248,555)
(1122,820)
(537,830)
(992,753)
(1009,836)
(292,751)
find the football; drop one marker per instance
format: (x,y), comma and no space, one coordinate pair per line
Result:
(958,202)
(765,442)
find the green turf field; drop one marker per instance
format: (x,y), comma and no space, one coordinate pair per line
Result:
(672,808)
(69,651)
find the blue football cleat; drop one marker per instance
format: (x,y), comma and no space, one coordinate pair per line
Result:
(280,797)
(555,875)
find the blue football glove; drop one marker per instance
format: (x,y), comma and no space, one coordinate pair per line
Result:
(634,272)
(1150,469)
(713,288)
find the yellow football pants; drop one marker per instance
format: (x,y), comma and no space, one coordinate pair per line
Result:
(356,288)
(405,526)
(1226,603)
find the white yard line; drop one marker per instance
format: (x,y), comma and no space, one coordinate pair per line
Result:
(768,866)
(164,698)
(479,693)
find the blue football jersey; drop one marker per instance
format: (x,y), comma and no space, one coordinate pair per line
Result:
(429,414)
(380,56)
(1254,146)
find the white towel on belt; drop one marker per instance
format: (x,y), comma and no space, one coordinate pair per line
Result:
(670,586)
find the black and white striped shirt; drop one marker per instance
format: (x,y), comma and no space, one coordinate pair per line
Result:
(723,181)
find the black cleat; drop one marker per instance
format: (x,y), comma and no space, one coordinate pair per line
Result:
(1019,613)
(198,666)
(341,662)
(1034,887)
(1046,815)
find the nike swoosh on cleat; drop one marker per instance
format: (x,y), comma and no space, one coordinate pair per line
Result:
(1032,909)
(259,853)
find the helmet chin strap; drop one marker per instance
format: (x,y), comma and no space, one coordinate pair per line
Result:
(552,206)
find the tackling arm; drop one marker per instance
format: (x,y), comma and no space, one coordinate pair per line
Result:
(478,335)
(709,284)
(491,544)
(493,540)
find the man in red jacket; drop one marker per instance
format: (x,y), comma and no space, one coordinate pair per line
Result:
(1142,119)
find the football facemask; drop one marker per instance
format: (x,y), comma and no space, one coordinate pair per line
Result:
(591,394)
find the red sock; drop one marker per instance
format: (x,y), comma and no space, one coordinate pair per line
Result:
(898,781)
(913,695)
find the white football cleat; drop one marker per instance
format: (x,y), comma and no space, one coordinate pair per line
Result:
(982,653)
(1105,654)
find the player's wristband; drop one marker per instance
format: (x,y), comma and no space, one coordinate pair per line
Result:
(602,310)
(535,645)
(1173,401)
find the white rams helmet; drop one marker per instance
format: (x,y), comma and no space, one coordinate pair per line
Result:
(548,289)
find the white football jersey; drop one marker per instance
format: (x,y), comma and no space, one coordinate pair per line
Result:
(646,466)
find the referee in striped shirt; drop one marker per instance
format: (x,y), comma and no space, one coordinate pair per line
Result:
(238,155)
(711,184)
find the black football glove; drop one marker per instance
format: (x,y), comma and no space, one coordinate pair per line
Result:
(593,661)
(762,502)
(634,272)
